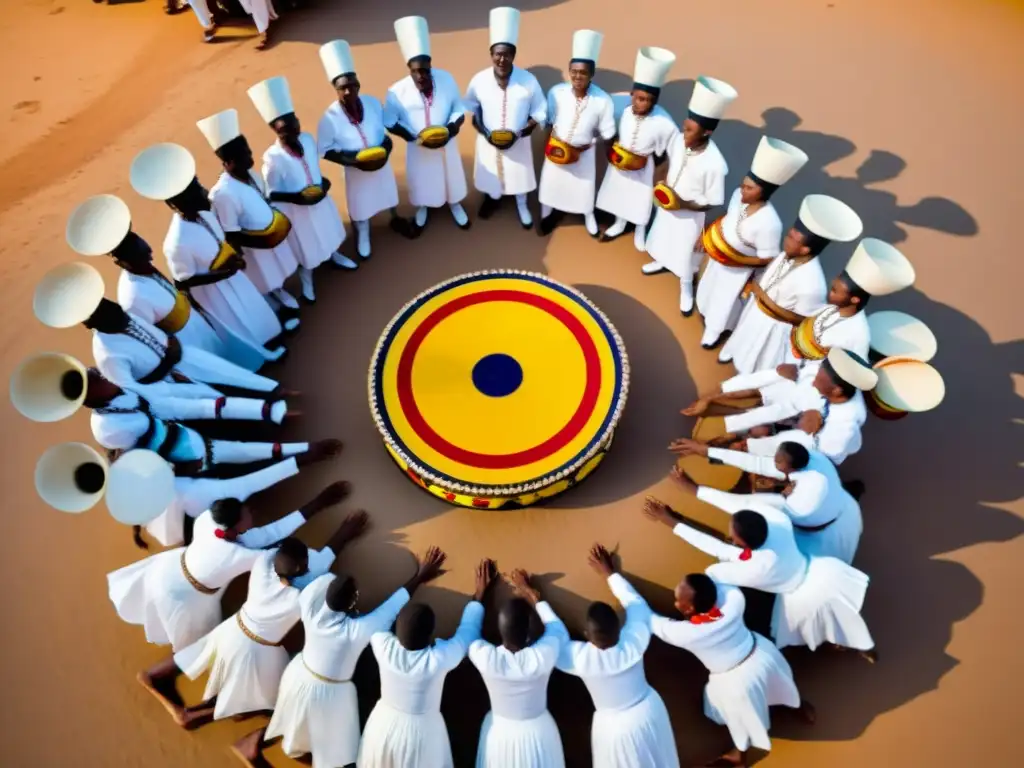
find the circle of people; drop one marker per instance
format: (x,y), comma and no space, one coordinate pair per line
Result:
(167,349)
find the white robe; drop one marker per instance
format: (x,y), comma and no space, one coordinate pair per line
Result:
(761,342)
(155,593)
(152,299)
(498,172)
(718,293)
(317,712)
(202,11)
(435,176)
(317,231)
(674,238)
(240,206)
(262,12)
(519,732)
(627,194)
(406,728)
(631,727)
(367,192)
(748,674)
(571,188)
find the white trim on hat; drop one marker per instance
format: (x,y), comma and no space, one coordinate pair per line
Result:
(413,36)
(220,128)
(851,369)
(162,171)
(586,44)
(897,334)
(35,387)
(777,161)
(67,295)
(652,66)
(504,26)
(55,477)
(336,57)
(830,218)
(909,385)
(711,97)
(880,268)
(140,486)
(97,226)
(272,98)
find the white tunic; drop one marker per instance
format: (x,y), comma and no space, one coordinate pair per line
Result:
(832,330)
(234,303)
(155,592)
(761,342)
(435,176)
(718,293)
(519,732)
(317,712)
(152,298)
(406,729)
(367,192)
(627,194)
(317,230)
(578,122)
(241,206)
(783,399)
(700,179)
(498,172)
(631,727)
(262,12)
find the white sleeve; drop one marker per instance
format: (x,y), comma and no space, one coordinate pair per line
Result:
(555,633)
(267,535)
(183,408)
(271,174)
(743,573)
(714,186)
(394,113)
(538,103)
(730,503)
(636,630)
(458,108)
(452,651)
(324,135)
(320,560)
(706,543)
(552,107)
(673,631)
(666,137)
(768,240)
(755,417)
(756,380)
(180,261)
(834,439)
(606,126)
(383,616)
(567,657)
(227,212)
(472,100)
(748,462)
(244,486)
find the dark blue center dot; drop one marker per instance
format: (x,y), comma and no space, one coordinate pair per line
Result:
(497,375)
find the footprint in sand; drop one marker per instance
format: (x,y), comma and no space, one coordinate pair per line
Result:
(26,108)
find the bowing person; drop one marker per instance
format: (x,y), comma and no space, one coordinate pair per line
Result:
(291,172)
(507,104)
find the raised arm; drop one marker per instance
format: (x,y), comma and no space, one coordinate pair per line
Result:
(205,491)
(675,632)
(748,462)
(267,535)
(555,634)
(452,651)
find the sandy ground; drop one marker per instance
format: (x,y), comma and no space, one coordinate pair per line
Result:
(910,112)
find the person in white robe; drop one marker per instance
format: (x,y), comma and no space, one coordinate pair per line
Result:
(243,654)
(506,104)
(579,114)
(352,133)
(261,11)
(644,133)
(818,598)
(406,728)
(428,100)
(694,184)
(747,673)
(252,226)
(317,710)
(631,727)
(519,732)
(291,172)
(791,287)
(746,238)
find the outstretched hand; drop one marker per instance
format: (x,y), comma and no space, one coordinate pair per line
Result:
(601,560)
(698,407)
(685,446)
(431,565)
(659,512)
(681,479)
(355,523)
(486,576)
(519,580)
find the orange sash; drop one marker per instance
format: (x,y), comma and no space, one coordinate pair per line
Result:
(223,256)
(805,346)
(773,310)
(178,317)
(719,249)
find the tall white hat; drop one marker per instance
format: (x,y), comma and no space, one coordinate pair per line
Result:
(272,98)
(49,386)
(67,295)
(852,369)
(909,385)
(413,37)
(504,26)
(879,268)
(711,97)
(776,161)
(897,334)
(221,128)
(71,477)
(97,226)
(162,171)
(586,45)
(830,218)
(652,66)
(336,56)
(140,486)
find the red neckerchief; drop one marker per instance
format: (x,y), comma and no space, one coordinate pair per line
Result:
(301,158)
(222,533)
(706,618)
(428,101)
(746,554)
(357,124)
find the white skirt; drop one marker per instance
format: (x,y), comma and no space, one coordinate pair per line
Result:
(673,239)
(508,743)
(394,739)
(237,305)
(569,188)
(317,231)
(317,718)
(739,699)
(244,674)
(627,194)
(370,192)
(201,366)
(839,540)
(516,175)
(268,268)
(718,295)
(435,176)
(825,608)
(638,737)
(198,333)
(759,342)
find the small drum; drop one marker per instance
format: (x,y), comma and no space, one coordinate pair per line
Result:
(433,136)
(372,158)
(666,197)
(625,160)
(503,139)
(313,194)
(560,152)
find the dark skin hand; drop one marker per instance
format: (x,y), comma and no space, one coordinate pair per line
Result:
(788,371)
(601,560)
(328,497)
(352,527)
(401,132)
(430,567)
(681,479)
(486,577)
(659,512)
(318,451)
(685,446)
(519,580)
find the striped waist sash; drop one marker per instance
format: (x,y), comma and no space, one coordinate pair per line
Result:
(718,248)
(804,343)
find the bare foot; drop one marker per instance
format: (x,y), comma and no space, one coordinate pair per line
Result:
(807,712)
(263,41)
(176,711)
(731,758)
(871,657)
(209,33)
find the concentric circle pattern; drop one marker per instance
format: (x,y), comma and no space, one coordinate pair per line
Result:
(498,389)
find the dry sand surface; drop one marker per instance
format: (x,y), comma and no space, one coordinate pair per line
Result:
(910,112)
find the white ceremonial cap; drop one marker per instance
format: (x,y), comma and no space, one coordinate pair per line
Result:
(504,26)
(413,37)
(711,97)
(221,128)
(909,385)
(140,486)
(652,66)
(830,218)
(852,369)
(272,98)
(162,171)
(70,477)
(336,56)
(897,334)
(879,268)
(67,295)
(49,386)
(776,161)
(97,226)
(586,45)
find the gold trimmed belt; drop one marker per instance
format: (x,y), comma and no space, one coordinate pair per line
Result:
(196,584)
(178,317)
(803,342)
(275,233)
(774,311)
(322,678)
(718,248)
(252,635)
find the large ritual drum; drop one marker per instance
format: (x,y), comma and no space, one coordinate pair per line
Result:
(498,389)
